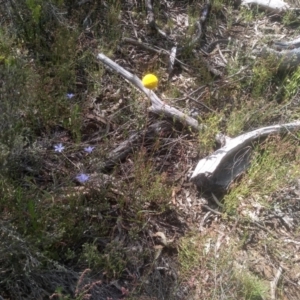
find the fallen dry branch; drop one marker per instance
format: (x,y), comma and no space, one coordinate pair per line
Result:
(275,282)
(158,106)
(219,169)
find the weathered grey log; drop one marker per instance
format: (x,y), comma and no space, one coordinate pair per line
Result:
(158,106)
(277,6)
(218,170)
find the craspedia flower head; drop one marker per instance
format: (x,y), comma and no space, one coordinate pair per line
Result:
(150,81)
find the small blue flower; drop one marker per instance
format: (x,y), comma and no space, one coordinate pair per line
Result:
(89,149)
(70,95)
(82,178)
(59,147)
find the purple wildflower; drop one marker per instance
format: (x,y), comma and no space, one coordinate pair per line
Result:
(82,178)
(70,95)
(59,147)
(89,149)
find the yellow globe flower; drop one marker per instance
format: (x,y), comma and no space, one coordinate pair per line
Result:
(150,81)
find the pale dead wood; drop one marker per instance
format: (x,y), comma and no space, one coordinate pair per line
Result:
(274,283)
(276,6)
(158,106)
(172,59)
(224,165)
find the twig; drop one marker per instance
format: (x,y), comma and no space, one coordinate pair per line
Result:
(157,50)
(216,200)
(212,210)
(201,228)
(151,19)
(221,54)
(200,24)
(265,229)
(201,103)
(143,45)
(238,72)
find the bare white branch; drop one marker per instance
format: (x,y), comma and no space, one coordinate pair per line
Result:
(158,106)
